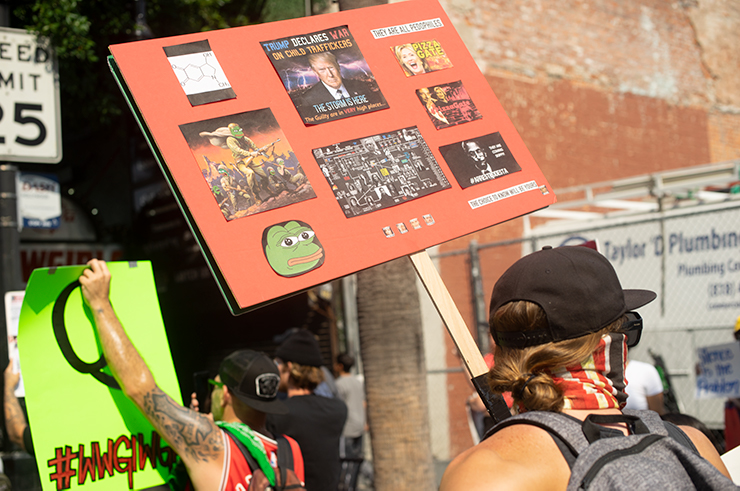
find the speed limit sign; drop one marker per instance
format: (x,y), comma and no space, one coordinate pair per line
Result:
(30,117)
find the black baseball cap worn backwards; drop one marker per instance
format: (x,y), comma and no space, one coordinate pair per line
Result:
(577,288)
(254,379)
(300,347)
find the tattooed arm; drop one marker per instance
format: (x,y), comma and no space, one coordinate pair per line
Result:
(195,437)
(15,421)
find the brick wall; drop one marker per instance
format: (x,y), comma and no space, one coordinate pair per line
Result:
(579,134)
(598,90)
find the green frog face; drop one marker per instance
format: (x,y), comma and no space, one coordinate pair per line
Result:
(292,248)
(236,130)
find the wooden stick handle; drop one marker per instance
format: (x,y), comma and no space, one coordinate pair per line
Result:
(450,315)
(460,334)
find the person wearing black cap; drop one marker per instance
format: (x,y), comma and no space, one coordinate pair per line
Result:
(315,422)
(244,391)
(561,325)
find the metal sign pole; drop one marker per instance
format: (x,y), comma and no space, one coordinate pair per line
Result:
(10,269)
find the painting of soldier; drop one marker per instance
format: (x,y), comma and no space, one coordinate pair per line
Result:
(247,163)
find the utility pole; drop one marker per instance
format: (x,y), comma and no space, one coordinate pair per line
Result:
(9,245)
(10,271)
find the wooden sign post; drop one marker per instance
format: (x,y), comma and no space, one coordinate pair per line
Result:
(460,334)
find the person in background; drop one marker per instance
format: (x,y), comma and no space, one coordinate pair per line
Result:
(246,391)
(314,421)
(328,386)
(352,392)
(15,421)
(557,317)
(644,387)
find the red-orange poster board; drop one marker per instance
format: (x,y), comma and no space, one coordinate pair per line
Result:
(286,186)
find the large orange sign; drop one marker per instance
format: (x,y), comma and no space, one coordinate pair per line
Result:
(305,150)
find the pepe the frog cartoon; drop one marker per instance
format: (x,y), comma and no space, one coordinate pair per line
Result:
(292,248)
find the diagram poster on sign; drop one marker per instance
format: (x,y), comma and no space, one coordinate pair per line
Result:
(322,157)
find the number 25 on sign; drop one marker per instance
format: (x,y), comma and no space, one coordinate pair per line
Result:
(30,118)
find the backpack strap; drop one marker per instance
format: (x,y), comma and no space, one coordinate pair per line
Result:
(594,426)
(254,446)
(678,434)
(284,457)
(567,452)
(651,419)
(251,461)
(656,425)
(573,436)
(284,452)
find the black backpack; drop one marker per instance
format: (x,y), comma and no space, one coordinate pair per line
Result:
(285,475)
(652,458)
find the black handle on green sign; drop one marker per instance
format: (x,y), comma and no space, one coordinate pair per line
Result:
(495,403)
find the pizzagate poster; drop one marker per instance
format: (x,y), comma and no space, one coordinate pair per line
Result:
(380,186)
(84,429)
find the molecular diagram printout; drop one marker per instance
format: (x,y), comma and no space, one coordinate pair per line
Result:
(199,72)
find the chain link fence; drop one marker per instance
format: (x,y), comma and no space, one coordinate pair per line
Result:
(690,257)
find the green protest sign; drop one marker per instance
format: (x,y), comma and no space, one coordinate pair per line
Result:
(85,431)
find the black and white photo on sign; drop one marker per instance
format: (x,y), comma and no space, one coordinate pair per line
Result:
(479,159)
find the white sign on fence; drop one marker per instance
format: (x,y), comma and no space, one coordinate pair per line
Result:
(718,371)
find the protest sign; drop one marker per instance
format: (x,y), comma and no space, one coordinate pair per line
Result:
(365,169)
(718,371)
(85,431)
(13,304)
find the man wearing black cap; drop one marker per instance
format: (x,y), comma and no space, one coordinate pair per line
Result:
(315,422)
(562,325)
(245,390)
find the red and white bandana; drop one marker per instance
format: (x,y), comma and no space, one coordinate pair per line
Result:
(598,383)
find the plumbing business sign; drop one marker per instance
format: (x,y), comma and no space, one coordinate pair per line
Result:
(692,262)
(30,116)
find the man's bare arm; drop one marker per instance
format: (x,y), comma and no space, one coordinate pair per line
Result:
(15,421)
(193,436)
(655,403)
